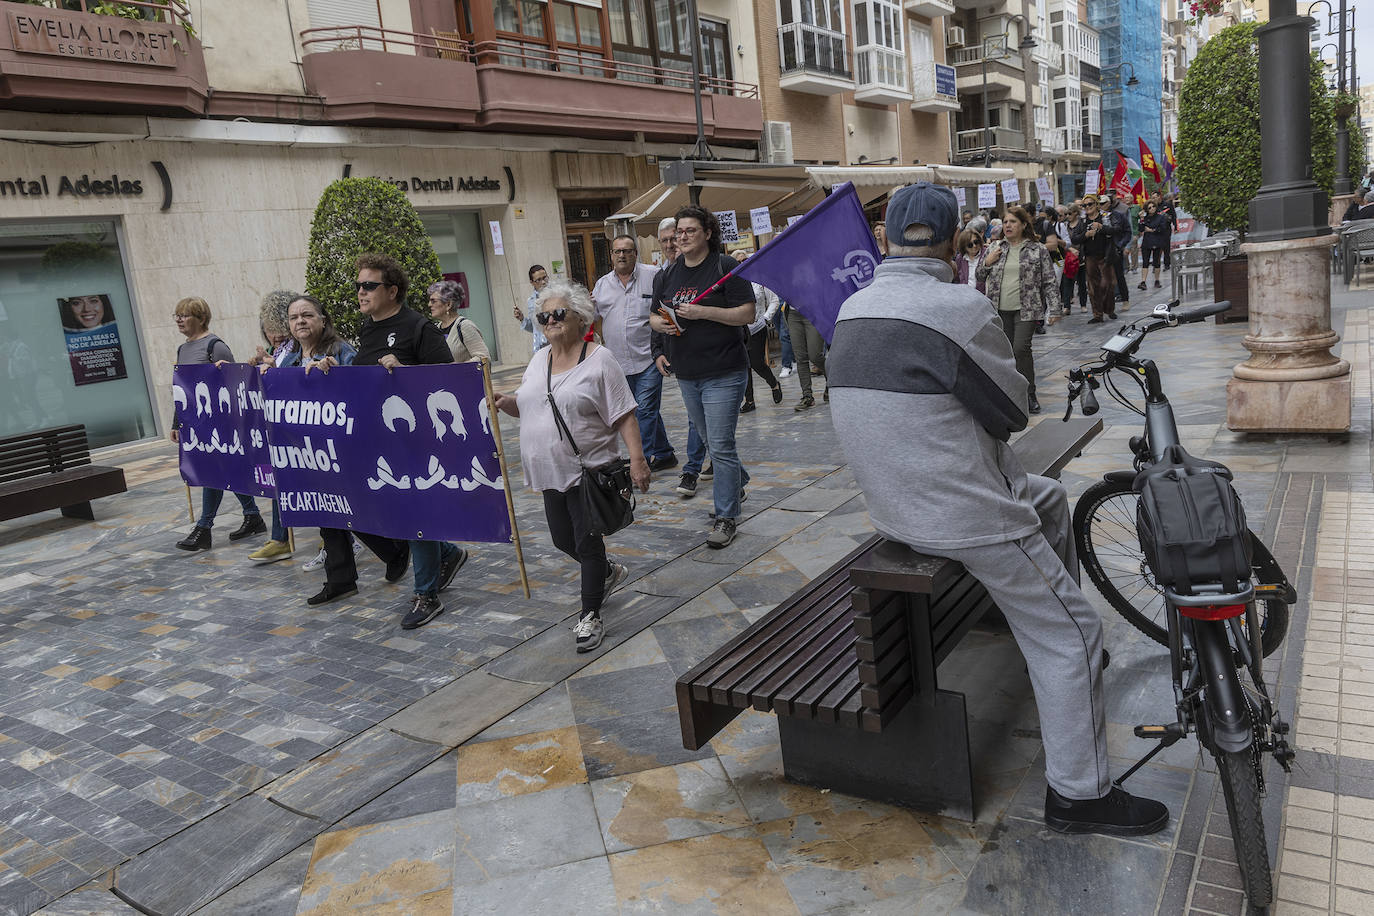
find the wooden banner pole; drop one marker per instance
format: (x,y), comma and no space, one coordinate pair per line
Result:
(505,473)
(190,509)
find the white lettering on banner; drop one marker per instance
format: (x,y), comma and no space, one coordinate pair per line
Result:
(306,456)
(307,501)
(1011,191)
(310,413)
(987,195)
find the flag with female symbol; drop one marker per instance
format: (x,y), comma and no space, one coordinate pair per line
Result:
(819,261)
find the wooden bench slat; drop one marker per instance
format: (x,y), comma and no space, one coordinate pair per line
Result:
(823,643)
(836,671)
(869,650)
(51,469)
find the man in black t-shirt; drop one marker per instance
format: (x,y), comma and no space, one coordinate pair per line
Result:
(392,336)
(704,346)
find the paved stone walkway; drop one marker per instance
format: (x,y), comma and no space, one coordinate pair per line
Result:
(181,733)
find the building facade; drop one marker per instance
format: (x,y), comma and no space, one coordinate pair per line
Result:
(1132,49)
(146,163)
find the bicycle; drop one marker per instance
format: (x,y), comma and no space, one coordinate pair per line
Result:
(1212,633)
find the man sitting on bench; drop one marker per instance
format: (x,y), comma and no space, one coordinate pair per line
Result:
(924,396)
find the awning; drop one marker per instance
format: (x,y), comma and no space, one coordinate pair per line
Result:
(786,190)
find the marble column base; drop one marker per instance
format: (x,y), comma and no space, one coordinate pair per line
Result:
(1292,382)
(1311,406)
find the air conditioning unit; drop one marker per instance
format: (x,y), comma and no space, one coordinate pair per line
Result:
(776,146)
(954,37)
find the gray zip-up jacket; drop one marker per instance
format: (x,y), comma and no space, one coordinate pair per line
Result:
(924,395)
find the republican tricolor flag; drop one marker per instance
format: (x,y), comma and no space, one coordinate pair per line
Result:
(1169,162)
(1147,162)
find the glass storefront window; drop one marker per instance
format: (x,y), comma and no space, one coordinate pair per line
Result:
(69,346)
(457,238)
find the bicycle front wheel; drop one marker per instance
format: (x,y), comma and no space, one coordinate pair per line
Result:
(1109,551)
(1240,782)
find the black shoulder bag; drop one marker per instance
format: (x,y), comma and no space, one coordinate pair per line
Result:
(606,494)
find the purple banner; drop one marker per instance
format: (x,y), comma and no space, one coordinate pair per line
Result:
(222,430)
(406,454)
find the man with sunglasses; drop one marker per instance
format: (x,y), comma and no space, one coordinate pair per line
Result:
(623,299)
(393,336)
(1093,236)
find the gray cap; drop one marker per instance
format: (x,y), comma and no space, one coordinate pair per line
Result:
(932,205)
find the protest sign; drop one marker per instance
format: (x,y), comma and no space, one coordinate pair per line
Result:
(987,195)
(1042,190)
(221,429)
(760,221)
(729,231)
(408,454)
(1090,182)
(961,195)
(1011,191)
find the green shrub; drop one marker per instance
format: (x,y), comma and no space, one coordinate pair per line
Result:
(1219,130)
(357,215)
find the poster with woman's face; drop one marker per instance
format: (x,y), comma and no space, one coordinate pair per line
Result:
(92,338)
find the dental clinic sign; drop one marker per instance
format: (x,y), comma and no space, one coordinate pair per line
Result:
(35,30)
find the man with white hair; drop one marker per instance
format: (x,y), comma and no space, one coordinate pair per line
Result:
(925,396)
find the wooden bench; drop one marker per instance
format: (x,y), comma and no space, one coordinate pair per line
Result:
(849,665)
(51,469)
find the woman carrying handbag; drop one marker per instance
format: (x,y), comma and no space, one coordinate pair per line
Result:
(575,410)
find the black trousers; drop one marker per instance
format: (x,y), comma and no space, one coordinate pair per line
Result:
(339,568)
(1122,292)
(757,346)
(569,531)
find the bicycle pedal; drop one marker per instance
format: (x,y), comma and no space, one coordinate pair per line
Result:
(1170,733)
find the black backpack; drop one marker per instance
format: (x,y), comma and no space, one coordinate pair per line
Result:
(1191,523)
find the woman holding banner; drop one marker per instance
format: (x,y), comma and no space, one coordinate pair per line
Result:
(583,382)
(312,341)
(193,321)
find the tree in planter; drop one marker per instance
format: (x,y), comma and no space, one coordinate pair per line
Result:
(357,215)
(1350,104)
(1219,130)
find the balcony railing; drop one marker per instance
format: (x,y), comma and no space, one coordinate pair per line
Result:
(880,74)
(172,12)
(974,55)
(510,53)
(811,49)
(926,86)
(1051,140)
(1002,138)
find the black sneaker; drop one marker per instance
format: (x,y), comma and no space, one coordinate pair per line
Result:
(198,539)
(451,566)
(777,394)
(252,524)
(424,609)
(1118,813)
(1034,405)
(397,567)
(663,463)
(722,533)
(805,403)
(331,593)
(687,486)
(589,631)
(748,407)
(709,471)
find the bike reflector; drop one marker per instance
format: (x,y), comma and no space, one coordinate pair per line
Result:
(1212,611)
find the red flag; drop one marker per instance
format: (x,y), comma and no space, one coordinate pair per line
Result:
(1138,192)
(1170,163)
(1120,183)
(1101,177)
(1147,161)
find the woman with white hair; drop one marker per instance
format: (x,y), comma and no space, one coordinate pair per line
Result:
(587,385)
(464,337)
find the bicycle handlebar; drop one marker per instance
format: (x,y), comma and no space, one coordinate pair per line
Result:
(1194,313)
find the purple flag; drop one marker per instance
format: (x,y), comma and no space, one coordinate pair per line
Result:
(819,261)
(221,429)
(406,454)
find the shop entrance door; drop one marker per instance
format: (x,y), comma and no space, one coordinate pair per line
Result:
(589,254)
(457,238)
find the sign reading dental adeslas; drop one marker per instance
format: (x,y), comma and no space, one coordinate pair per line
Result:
(84,185)
(35,30)
(449,183)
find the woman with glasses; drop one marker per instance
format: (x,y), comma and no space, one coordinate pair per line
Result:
(587,385)
(970,254)
(464,338)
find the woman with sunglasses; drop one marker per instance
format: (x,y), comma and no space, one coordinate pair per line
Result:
(970,248)
(595,402)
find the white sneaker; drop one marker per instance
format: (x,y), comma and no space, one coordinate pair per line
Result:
(588,632)
(786,371)
(316,563)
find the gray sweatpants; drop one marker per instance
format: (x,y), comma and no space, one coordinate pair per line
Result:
(1035,583)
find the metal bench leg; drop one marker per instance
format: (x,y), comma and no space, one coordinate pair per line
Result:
(79,510)
(920,760)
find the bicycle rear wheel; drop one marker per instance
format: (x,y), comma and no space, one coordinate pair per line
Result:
(1239,772)
(1109,550)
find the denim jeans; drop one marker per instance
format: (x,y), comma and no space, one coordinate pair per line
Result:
(209,506)
(428,558)
(696,449)
(713,406)
(279,531)
(784,335)
(648,391)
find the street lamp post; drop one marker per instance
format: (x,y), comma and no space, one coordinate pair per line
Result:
(1025,45)
(1342,185)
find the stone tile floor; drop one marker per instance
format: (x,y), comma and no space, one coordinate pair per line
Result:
(182,734)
